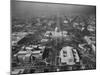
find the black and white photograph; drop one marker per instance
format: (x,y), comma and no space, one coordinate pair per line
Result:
(52,37)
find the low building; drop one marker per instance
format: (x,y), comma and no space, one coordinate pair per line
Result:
(69,55)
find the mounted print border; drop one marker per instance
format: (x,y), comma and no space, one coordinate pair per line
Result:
(52,37)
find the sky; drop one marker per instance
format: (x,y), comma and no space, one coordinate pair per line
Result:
(24,9)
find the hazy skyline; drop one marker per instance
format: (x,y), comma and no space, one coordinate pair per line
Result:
(24,9)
